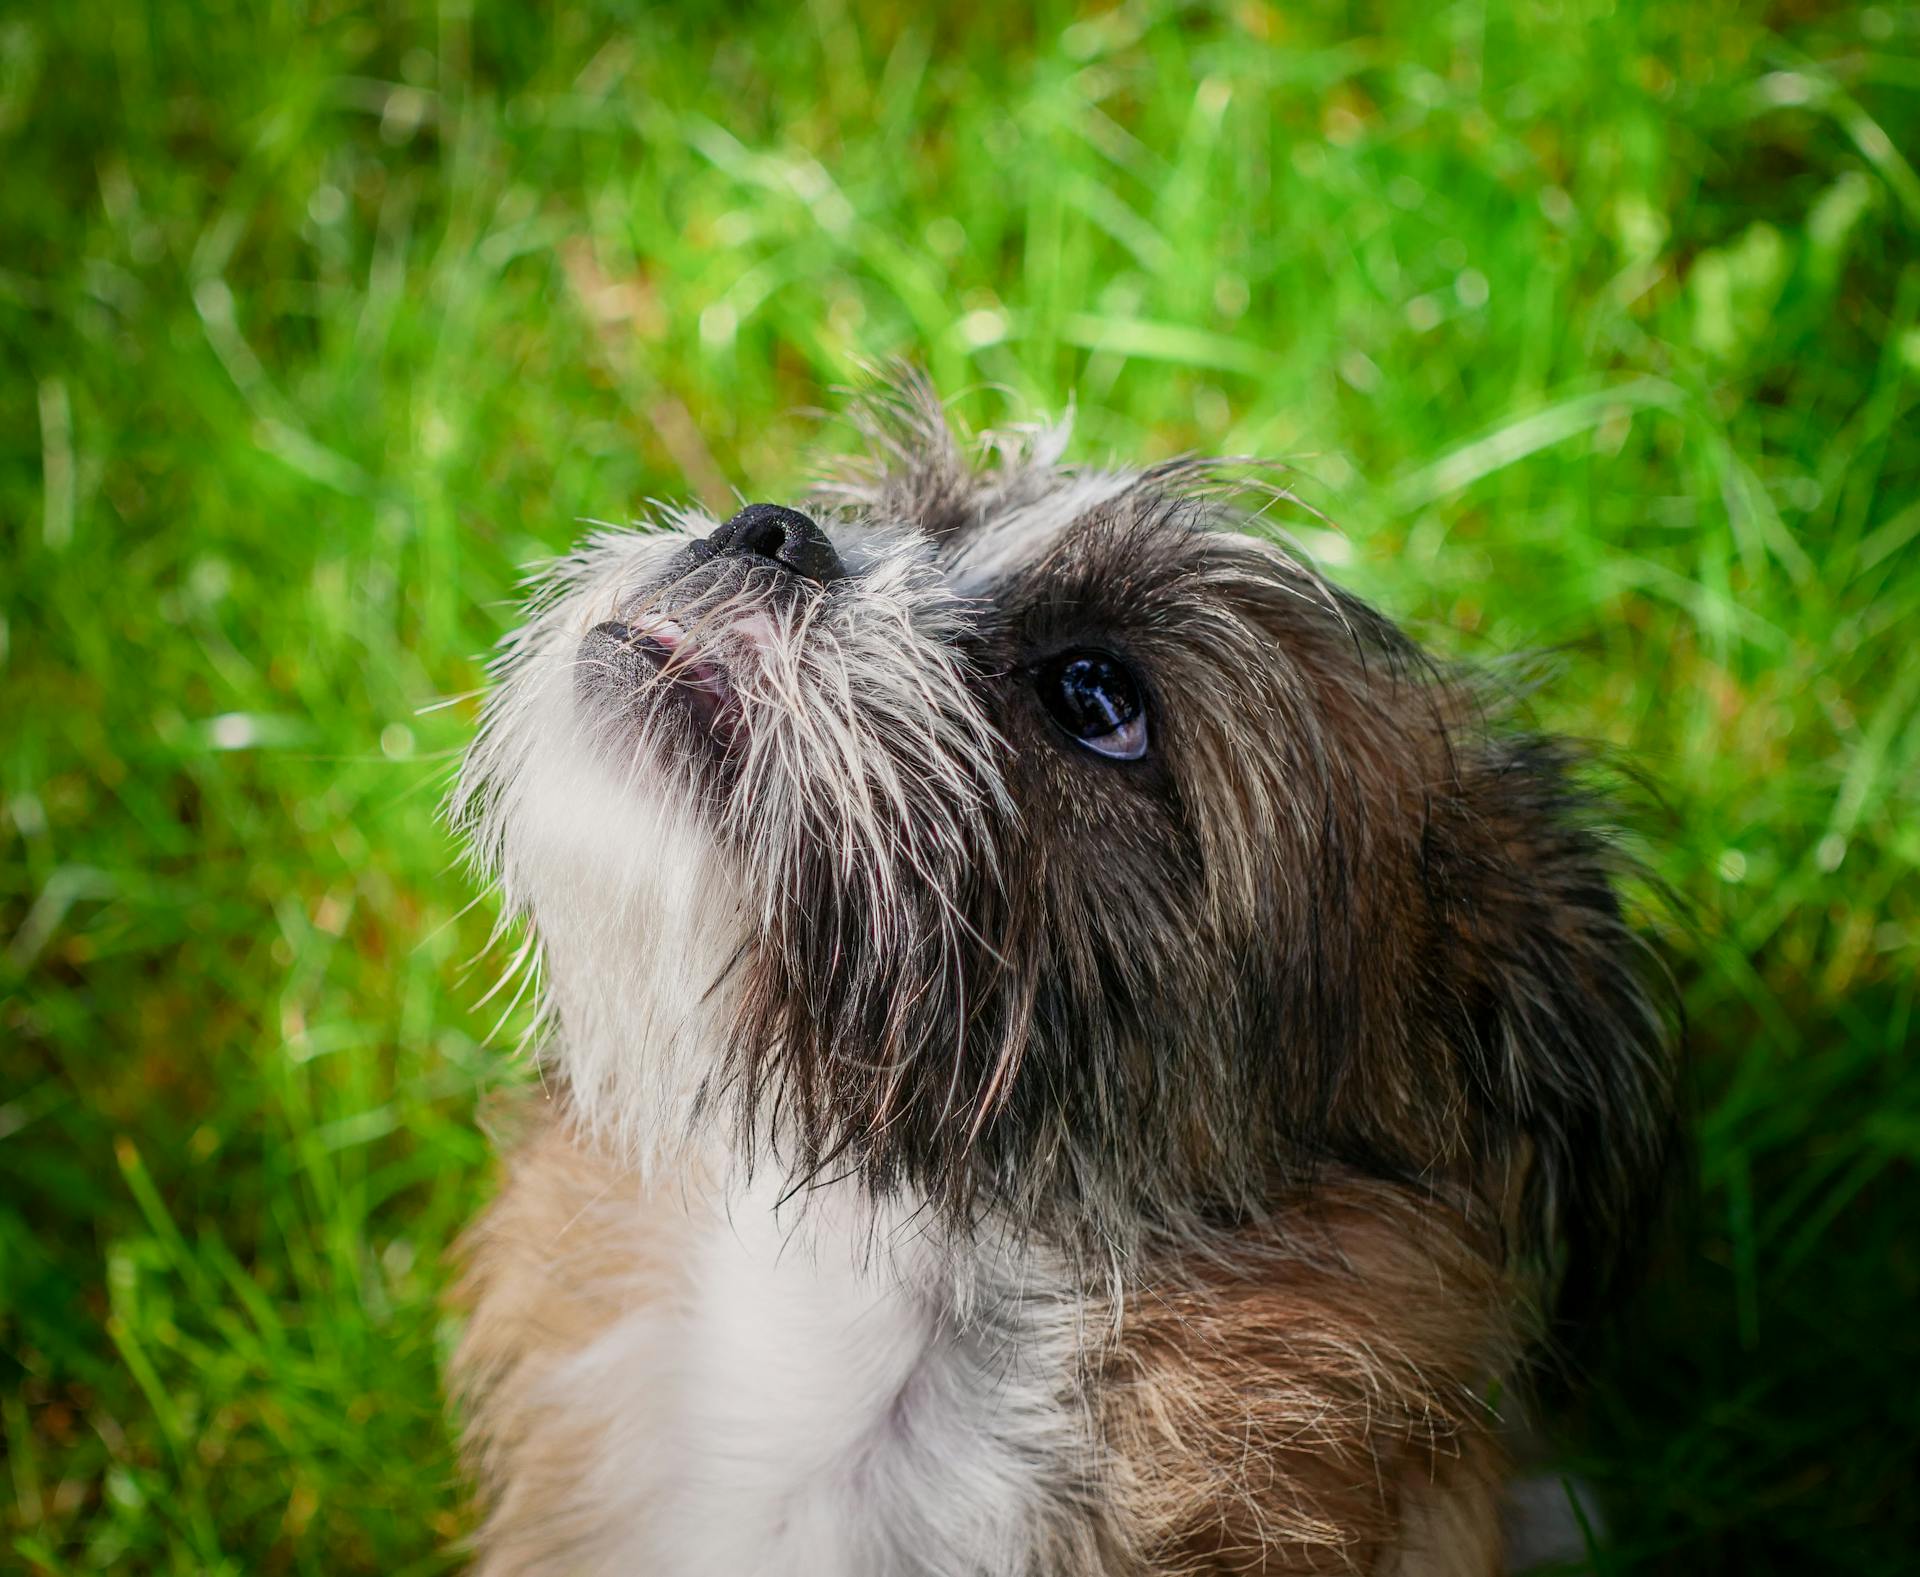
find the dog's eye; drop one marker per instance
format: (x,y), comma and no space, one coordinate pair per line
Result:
(1096,699)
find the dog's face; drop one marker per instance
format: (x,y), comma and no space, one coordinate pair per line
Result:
(1039,839)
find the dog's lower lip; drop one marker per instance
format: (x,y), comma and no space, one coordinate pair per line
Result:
(700,684)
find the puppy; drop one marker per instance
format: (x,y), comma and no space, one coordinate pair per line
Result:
(1069,1045)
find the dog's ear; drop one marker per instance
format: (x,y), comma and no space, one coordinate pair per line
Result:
(1565,1023)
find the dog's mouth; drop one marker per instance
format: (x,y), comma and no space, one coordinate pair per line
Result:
(653,661)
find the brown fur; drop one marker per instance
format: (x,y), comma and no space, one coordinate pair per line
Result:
(1309,1401)
(571,1244)
(1316,1400)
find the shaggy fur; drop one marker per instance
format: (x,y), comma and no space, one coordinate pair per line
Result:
(1201,1137)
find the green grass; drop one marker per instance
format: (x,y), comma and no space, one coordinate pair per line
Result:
(1595,324)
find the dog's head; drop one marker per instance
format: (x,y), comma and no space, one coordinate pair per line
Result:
(1037,837)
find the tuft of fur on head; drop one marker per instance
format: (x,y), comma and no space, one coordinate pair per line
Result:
(826,890)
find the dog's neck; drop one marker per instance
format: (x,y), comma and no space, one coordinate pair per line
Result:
(639,921)
(848,1413)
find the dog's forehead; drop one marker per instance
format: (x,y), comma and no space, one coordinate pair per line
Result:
(1026,531)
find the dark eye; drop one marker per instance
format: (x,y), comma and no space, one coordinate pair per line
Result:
(1095,698)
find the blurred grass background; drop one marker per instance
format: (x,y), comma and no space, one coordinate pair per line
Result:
(1595,324)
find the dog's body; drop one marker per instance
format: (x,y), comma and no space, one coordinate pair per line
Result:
(1074,1050)
(670,1381)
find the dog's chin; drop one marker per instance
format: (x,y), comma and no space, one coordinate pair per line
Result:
(639,915)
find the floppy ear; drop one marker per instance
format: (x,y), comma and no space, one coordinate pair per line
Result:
(1566,1025)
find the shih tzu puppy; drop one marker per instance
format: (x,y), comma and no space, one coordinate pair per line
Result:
(1070,1046)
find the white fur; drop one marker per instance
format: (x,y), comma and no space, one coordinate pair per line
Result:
(595,837)
(632,905)
(818,1402)
(1021,535)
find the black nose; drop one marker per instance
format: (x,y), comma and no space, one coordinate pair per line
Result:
(787,537)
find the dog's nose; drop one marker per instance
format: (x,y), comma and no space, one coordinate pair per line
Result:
(785,536)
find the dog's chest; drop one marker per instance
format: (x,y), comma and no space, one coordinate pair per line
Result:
(811,1405)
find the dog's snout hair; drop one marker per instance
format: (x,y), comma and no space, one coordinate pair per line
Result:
(1052,859)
